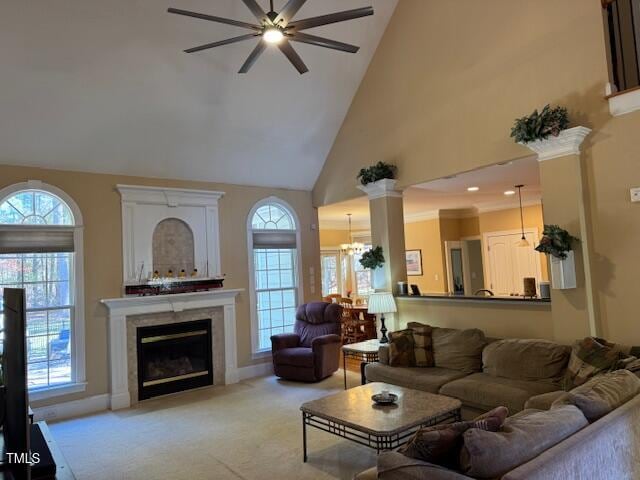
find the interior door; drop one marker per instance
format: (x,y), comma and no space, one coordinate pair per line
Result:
(499,253)
(510,263)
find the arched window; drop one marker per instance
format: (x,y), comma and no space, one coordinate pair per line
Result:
(40,233)
(274,270)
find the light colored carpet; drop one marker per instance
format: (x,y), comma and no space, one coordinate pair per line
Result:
(252,430)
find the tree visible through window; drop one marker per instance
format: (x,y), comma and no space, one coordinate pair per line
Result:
(48,282)
(273,231)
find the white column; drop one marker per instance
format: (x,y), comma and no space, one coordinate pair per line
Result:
(119,397)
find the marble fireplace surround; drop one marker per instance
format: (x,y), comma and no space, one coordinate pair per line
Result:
(126,313)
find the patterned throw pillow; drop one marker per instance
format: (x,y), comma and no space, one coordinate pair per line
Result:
(441,444)
(423,344)
(589,357)
(401,349)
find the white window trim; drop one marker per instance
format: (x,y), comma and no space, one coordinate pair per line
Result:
(257,353)
(78,372)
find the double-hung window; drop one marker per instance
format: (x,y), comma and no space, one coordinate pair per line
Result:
(273,241)
(37,245)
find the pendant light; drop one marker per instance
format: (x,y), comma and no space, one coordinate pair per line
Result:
(353,248)
(523,241)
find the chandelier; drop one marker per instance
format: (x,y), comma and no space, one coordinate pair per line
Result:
(353,248)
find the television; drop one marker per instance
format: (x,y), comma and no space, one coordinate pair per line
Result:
(16,425)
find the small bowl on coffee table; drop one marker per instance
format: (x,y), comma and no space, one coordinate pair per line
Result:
(384,398)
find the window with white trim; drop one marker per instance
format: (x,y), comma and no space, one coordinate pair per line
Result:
(37,254)
(273,238)
(362,277)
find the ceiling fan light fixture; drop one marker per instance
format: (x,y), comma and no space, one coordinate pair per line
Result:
(272,35)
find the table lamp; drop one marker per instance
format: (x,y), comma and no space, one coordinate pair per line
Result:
(382,302)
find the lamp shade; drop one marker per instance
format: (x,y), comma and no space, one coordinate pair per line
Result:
(381,302)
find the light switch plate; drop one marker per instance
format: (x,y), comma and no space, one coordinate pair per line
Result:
(635,194)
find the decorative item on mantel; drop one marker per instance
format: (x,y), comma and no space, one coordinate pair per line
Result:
(170,285)
(557,243)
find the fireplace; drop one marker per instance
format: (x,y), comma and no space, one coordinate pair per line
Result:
(174,357)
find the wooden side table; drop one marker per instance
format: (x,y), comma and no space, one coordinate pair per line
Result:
(366,352)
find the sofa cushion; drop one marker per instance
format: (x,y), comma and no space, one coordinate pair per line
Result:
(485,391)
(602,394)
(295,357)
(458,349)
(401,345)
(419,378)
(522,437)
(441,444)
(535,360)
(423,347)
(395,466)
(544,401)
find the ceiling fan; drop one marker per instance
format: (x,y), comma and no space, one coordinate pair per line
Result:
(279,29)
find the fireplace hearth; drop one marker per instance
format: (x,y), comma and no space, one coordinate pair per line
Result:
(174,357)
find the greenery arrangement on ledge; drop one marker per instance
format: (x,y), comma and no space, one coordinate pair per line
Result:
(556,241)
(538,126)
(379,171)
(373,258)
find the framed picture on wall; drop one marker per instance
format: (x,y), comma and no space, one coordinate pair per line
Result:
(414,262)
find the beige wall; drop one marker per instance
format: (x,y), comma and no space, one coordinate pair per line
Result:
(522,321)
(333,238)
(99,203)
(425,236)
(450,109)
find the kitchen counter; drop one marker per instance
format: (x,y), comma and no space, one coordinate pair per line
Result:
(445,297)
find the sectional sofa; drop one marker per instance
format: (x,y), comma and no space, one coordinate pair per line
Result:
(526,376)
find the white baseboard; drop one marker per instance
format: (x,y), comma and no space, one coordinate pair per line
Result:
(259,370)
(75,408)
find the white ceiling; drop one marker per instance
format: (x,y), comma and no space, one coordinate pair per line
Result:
(104,86)
(427,199)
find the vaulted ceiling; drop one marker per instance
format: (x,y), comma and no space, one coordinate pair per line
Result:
(103,86)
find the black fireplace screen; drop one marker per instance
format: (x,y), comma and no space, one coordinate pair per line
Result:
(174,357)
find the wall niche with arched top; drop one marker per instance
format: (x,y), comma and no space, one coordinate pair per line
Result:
(173,247)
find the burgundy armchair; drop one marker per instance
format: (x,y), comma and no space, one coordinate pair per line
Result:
(312,352)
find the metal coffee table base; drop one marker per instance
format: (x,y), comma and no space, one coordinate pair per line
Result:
(378,441)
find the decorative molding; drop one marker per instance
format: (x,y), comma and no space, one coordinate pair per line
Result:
(421,216)
(567,143)
(120,308)
(75,408)
(499,207)
(621,103)
(380,189)
(144,207)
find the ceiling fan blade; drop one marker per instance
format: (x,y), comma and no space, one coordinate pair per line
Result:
(255,9)
(289,11)
(323,42)
(253,56)
(330,18)
(286,48)
(211,18)
(222,42)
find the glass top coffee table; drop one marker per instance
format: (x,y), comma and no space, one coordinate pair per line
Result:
(353,415)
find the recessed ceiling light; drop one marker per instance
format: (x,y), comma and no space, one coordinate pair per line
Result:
(509,192)
(473,189)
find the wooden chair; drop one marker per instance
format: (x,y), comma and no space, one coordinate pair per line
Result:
(333,298)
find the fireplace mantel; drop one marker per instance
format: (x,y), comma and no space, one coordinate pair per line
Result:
(121,308)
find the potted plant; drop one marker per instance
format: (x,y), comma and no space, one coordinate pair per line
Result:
(379,171)
(557,243)
(540,125)
(373,258)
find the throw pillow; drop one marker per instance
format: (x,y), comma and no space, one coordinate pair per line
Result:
(458,349)
(589,357)
(401,349)
(423,347)
(523,436)
(602,394)
(441,444)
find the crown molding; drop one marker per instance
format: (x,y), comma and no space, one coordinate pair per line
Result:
(381,189)
(568,142)
(498,207)
(421,216)
(340,225)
